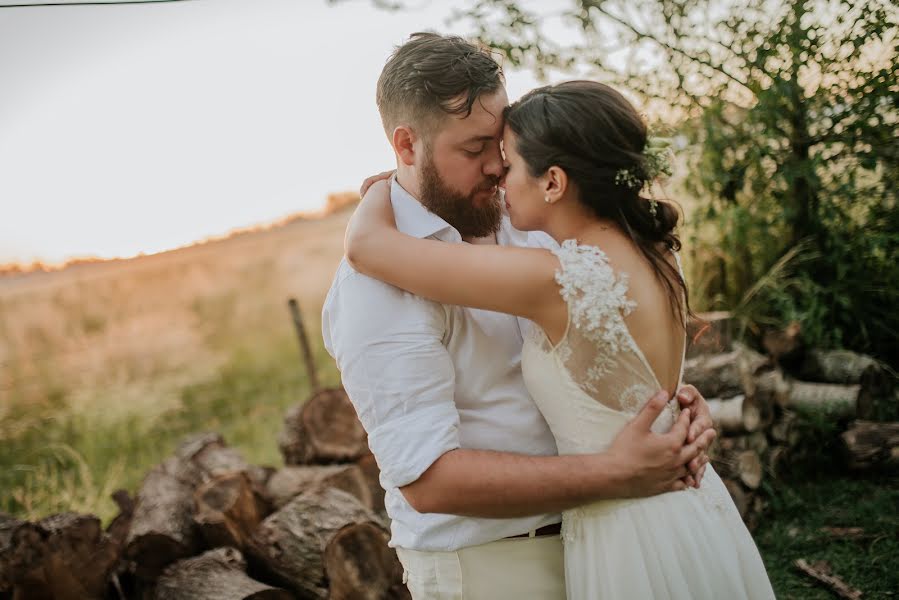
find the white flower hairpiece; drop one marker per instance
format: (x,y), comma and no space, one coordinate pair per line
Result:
(657,160)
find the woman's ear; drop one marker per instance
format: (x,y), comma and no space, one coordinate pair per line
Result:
(404,144)
(555,182)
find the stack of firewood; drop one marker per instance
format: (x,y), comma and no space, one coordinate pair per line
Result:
(758,400)
(205,524)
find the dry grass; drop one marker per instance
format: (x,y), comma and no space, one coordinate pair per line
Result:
(103,365)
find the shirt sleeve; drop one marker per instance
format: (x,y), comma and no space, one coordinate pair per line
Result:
(388,345)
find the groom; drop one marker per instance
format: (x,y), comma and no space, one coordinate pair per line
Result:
(474,485)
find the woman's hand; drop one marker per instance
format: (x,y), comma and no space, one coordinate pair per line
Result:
(373,179)
(370,224)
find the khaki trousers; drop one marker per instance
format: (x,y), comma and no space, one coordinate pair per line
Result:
(509,569)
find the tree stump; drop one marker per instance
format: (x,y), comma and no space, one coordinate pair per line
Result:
(872,445)
(323,430)
(292,543)
(218,574)
(162,528)
(289,482)
(228,510)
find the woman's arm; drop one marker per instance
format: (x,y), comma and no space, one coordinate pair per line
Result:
(518,281)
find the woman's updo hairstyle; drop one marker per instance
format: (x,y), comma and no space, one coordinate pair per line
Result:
(595,135)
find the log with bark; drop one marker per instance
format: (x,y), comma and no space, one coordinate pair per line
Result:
(323,430)
(870,445)
(744,466)
(832,400)
(837,366)
(65,556)
(162,527)
(228,510)
(724,375)
(291,481)
(213,457)
(738,414)
(326,535)
(218,574)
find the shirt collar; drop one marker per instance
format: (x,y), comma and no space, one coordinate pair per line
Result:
(412,218)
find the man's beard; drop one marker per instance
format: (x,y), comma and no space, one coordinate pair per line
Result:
(471,218)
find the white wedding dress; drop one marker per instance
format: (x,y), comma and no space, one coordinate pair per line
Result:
(686,545)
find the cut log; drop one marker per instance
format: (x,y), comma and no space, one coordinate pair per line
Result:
(785,431)
(119,526)
(228,510)
(289,482)
(742,465)
(871,445)
(372,475)
(65,556)
(784,344)
(709,333)
(768,390)
(735,415)
(162,528)
(829,399)
(877,400)
(778,461)
(741,497)
(323,430)
(289,546)
(210,453)
(724,375)
(218,574)
(360,565)
(836,366)
(756,441)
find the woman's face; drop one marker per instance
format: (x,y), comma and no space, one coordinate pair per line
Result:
(524,193)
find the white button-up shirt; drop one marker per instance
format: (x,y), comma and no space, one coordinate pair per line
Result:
(427,378)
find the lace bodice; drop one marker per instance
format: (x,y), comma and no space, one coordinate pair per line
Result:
(603,375)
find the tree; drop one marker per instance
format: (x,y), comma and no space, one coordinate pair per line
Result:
(793,109)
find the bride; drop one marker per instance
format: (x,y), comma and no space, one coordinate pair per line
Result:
(607,308)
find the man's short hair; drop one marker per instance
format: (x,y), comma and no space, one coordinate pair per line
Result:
(432,76)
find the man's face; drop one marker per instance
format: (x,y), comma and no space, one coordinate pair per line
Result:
(462,168)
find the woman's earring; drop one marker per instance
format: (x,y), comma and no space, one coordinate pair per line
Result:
(546,199)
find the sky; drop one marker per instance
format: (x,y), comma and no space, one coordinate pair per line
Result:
(139,128)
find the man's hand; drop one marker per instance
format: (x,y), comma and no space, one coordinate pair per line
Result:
(656,463)
(374,178)
(701,422)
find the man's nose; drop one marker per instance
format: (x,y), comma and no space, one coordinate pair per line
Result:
(494,165)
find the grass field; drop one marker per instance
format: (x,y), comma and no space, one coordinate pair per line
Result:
(104,368)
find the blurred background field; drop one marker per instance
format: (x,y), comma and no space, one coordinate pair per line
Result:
(106,365)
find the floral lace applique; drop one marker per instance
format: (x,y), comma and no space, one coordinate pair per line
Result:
(597,299)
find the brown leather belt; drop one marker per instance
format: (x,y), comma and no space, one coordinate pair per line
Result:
(554,529)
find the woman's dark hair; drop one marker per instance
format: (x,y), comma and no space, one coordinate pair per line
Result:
(592,132)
